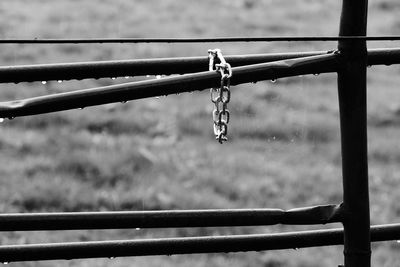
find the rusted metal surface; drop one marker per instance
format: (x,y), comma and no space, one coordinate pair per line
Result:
(172,218)
(159,66)
(352,85)
(188,245)
(167,86)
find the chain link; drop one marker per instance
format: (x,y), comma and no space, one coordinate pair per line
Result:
(220,96)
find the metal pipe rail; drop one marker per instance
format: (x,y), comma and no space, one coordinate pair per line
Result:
(187,245)
(169,85)
(135,67)
(172,218)
(157,66)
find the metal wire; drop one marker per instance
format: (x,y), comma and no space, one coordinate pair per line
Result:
(200,40)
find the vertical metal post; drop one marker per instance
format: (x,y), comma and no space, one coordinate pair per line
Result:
(352,102)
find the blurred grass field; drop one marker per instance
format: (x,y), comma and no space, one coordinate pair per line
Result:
(284,148)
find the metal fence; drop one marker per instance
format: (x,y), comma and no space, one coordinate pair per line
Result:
(349,61)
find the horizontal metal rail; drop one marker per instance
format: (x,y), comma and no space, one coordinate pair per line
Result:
(187,245)
(158,66)
(135,67)
(169,85)
(164,219)
(383,56)
(200,40)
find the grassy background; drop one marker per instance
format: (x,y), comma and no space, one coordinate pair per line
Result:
(284,148)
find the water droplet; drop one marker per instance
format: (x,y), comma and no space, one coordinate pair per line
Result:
(398,241)
(127,77)
(111,258)
(44,82)
(5,262)
(1,120)
(158,76)
(147,76)
(137,229)
(81,108)
(273,80)
(123,102)
(113,78)
(157,97)
(296,248)
(59,81)
(316,74)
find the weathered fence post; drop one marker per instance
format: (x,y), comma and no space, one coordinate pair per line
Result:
(352,102)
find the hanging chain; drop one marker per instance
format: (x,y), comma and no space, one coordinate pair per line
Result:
(220,96)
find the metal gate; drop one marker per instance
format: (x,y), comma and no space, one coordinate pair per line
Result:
(349,61)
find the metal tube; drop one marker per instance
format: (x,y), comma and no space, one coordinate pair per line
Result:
(135,67)
(166,86)
(353,114)
(188,245)
(157,66)
(383,56)
(172,218)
